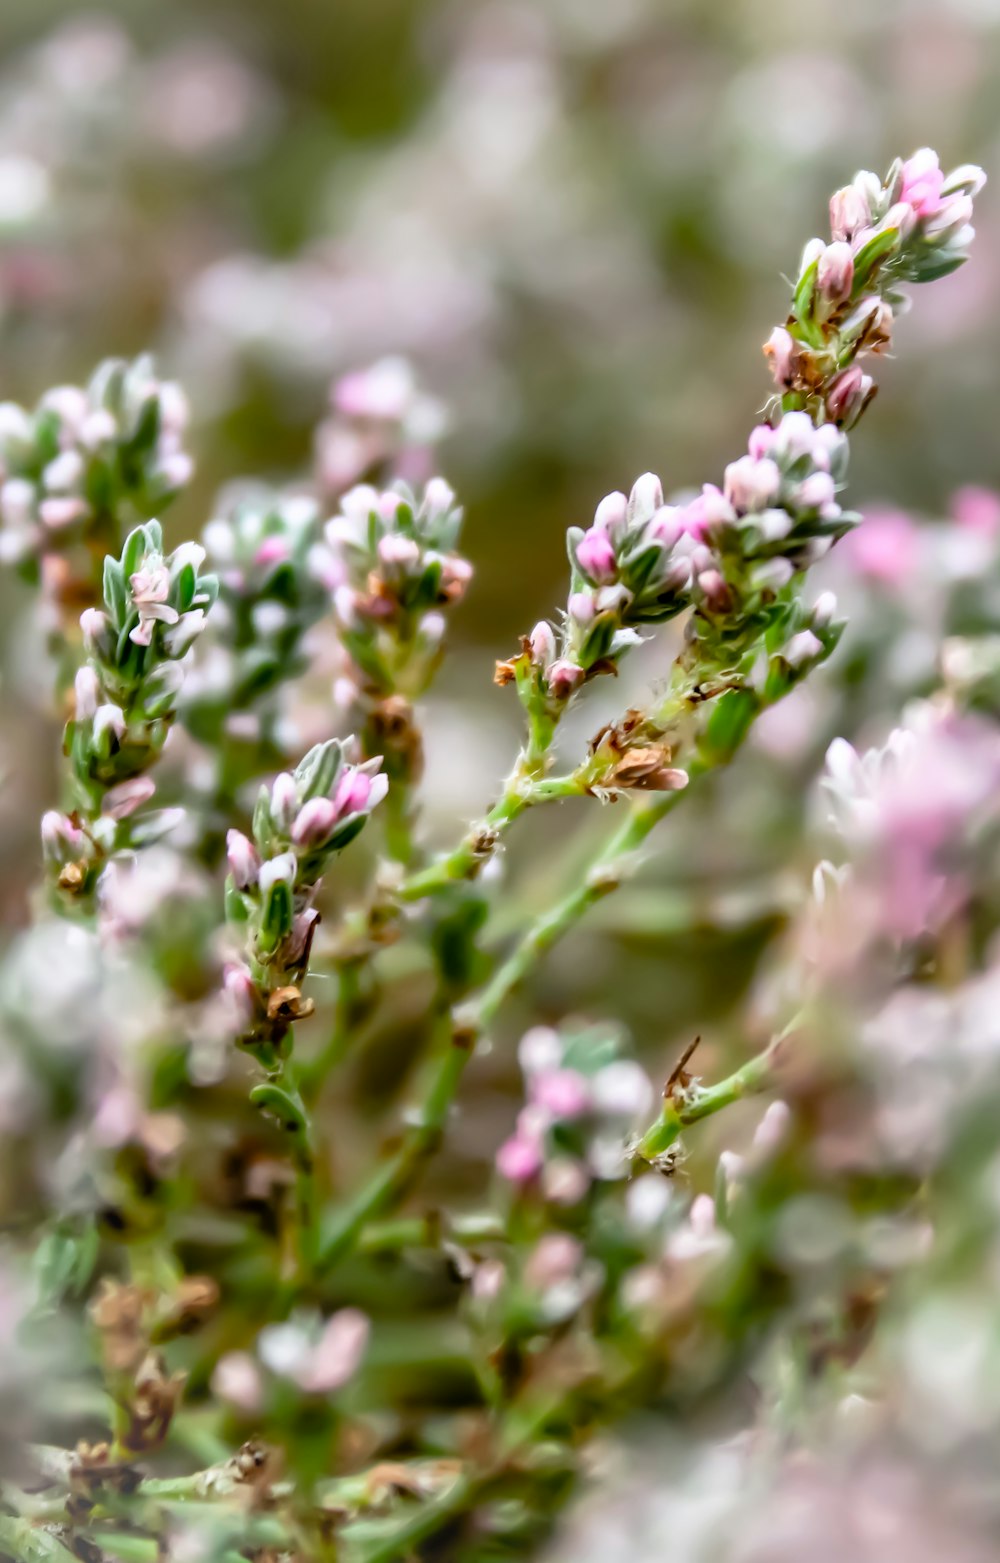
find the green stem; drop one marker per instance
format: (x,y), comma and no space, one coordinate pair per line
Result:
(429,1119)
(399,1545)
(753,1077)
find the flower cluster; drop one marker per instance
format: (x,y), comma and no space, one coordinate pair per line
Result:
(273,587)
(125,700)
(584,1097)
(85,466)
(381,424)
(300,822)
(397,558)
(914,226)
(728,554)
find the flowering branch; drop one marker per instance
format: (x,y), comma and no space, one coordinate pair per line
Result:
(125,701)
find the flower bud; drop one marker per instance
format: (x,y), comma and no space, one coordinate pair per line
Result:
(596,556)
(824,610)
(278,870)
(849,212)
(244,860)
(581,607)
(86,693)
(760,441)
(782,353)
(835,272)
(127,796)
(315,822)
(645,499)
(802,649)
(352,793)
(109,719)
(564,677)
(611,515)
(96,632)
(520,1158)
(284,801)
(439,497)
(752,485)
(397,550)
(62,841)
(564,1093)
(848,396)
(237,1381)
(542,642)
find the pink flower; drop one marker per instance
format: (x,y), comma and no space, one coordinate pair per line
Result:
(556,1257)
(849,212)
(564,1093)
(611,515)
(760,441)
(885,548)
(848,395)
(542,641)
(86,694)
(520,1158)
(237,1381)
(272,550)
(352,792)
(596,556)
(977,510)
(923,182)
(337,1354)
(782,353)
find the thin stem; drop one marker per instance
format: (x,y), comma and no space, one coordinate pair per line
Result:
(753,1077)
(428,1121)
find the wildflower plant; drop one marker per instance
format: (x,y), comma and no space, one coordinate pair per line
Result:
(238,1254)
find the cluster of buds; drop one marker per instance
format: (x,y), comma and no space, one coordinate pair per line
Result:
(583,1100)
(381,425)
(728,554)
(86,465)
(398,566)
(274,585)
(299,823)
(125,700)
(914,226)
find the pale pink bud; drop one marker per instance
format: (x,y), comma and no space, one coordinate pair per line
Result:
(439,497)
(848,395)
(315,822)
(581,607)
(127,796)
(337,1355)
(237,1381)
(923,182)
(539,1049)
(519,1159)
(824,610)
(175,413)
(401,551)
(596,556)
(557,1257)
(760,441)
(542,641)
(352,792)
(56,513)
(109,718)
(565,1181)
(752,485)
(835,272)
(849,212)
(65,473)
(456,573)
(273,550)
(278,870)
(432,628)
(62,841)
(284,801)
(645,499)
(772,1129)
(17,501)
(241,991)
(244,861)
(816,491)
(299,942)
(611,515)
(562,1092)
(95,629)
(782,353)
(564,677)
(86,693)
(802,649)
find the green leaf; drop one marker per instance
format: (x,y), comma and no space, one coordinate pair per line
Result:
(870,257)
(277,1102)
(115,594)
(317,771)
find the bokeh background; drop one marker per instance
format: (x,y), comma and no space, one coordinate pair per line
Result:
(574,217)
